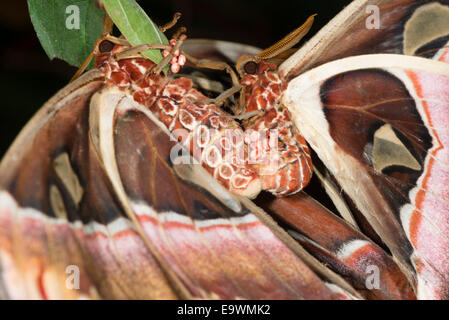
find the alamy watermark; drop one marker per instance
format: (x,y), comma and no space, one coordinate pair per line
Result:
(72,282)
(212,147)
(373,20)
(372,281)
(72,21)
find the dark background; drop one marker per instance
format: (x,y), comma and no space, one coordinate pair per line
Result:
(28,78)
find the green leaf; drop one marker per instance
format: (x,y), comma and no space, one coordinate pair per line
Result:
(67,29)
(135,25)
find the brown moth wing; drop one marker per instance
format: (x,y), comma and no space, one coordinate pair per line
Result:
(411,27)
(88,190)
(379,124)
(216,246)
(25,242)
(55,202)
(336,244)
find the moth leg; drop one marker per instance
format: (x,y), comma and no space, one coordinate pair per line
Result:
(135,52)
(178,32)
(107,29)
(83,67)
(171,23)
(119,41)
(242,102)
(246,116)
(171,55)
(221,66)
(218,101)
(214,65)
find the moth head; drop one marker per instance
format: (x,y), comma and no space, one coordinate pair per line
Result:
(102,49)
(105,46)
(108,45)
(247,64)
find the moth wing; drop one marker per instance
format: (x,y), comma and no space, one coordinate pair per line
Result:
(365,265)
(379,124)
(410,27)
(216,245)
(92,205)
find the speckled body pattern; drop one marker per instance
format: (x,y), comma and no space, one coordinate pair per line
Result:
(212,136)
(176,103)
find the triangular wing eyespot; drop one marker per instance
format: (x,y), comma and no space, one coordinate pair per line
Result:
(388,151)
(380,118)
(404,190)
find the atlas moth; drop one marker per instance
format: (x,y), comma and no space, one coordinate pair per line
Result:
(223,148)
(89,181)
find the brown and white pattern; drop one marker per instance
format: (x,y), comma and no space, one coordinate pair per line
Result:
(212,136)
(379,124)
(138,230)
(395,173)
(90,182)
(201,127)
